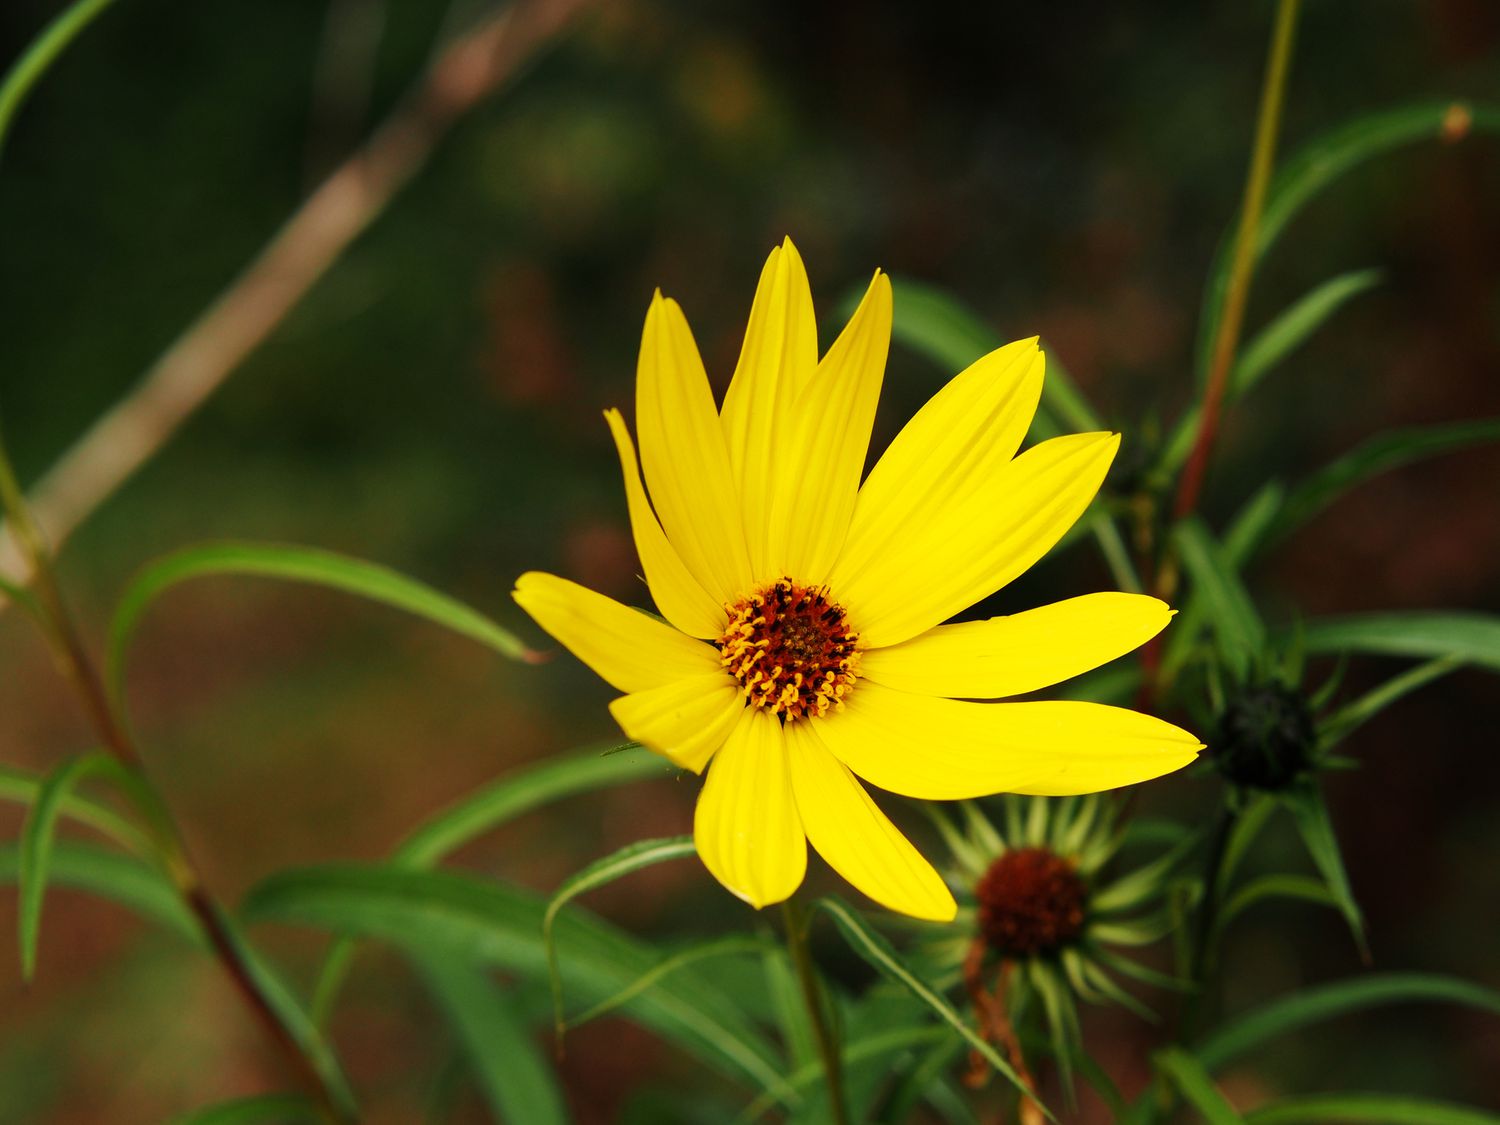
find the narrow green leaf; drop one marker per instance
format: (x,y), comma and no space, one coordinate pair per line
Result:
(1237,627)
(1471,637)
(1270,346)
(1191,1078)
(500,926)
(1379,454)
(1379,1109)
(37,841)
(1349,718)
(878,952)
(1276,885)
(22,786)
(1314,1005)
(1316,827)
(35,61)
(516,1080)
(629,859)
(263,1109)
(1248,823)
(142,889)
(729,946)
(1319,163)
(298,564)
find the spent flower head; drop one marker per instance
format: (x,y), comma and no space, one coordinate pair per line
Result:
(803,647)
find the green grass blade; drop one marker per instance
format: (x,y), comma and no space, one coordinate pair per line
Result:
(1378,1109)
(516,1080)
(21,786)
(1270,346)
(1274,886)
(1310,813)
(730,946)
(1314,1005)
(38,58)
(500,926)
(297,564)
(1320,163)
(141,889)
(1191,1078)
(878,952)
(1240,635)
(1471,637)
(37,838)
(263,1109)
(629,859)
(1349,718)
(1377,455)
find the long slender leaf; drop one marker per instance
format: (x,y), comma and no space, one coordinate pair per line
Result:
(1271,345)
(878,952)
(37,838)
(1191,1078)
(21,786)
(1357,712)
(1241,635)
(629,859)
(1471,637)
(139,888)
(35,61)
(732,945)
(500,926)
(1322,161)
(1310,813)
(1314,1005)
(262,1109)
(1379,1109)
(298,564)
(1277,885)
(517,1082)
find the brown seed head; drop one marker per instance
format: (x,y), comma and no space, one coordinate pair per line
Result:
(1030,901)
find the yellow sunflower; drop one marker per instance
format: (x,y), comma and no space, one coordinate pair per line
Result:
(803,647)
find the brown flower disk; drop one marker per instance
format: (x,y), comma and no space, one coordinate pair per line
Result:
(1030,901)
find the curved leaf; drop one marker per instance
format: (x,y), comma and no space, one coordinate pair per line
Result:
(1471,637)
(445,913)
(298,564)
(142,889)
(729,946)
(878,952)
(1274,886)
(21,786)
(1191,1078)
(263,1109)
(629,859)
(44,50)
(1354,714)
(517,1082)
(1379,1109)
(1237,627)
(1328,1001)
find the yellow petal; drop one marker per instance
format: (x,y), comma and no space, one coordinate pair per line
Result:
(684,457)
(826,439)
(686,720)
(1013,655)
(779,356)
(746,825)
(967,547)
(629,649)
(856,838)
(678,595)
(945,749)
(964,435)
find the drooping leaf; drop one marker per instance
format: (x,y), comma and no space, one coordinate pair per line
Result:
(297,564)
(500,926)
(262,1109)
(628,860)
(138,887)
(1314,1005)
(1277,885)
(22,786)
(1471,637)
(1377,1109)
(516,1080)
(1240,635)
(1310,813)
(878,952)
(1192,1080)
(1322,161)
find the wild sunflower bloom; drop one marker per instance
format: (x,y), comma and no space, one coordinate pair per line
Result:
(803,646)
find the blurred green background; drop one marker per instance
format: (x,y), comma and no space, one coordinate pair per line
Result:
(1066,168)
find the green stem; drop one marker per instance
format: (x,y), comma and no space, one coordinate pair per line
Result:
(1203,935)
(1242,269)
(812,995)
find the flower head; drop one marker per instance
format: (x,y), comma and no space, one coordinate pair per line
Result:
(803,647)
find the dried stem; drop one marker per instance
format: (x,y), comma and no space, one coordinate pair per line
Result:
(996,1027)
(241,318)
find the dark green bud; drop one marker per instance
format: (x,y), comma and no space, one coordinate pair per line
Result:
(1265,737)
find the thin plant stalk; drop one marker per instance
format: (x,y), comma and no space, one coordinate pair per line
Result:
(73,661)
(1242,268)
(812,996)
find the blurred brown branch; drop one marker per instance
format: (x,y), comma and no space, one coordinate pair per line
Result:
(243,315)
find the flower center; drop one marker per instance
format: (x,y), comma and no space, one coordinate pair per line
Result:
(791,650)
(1030,901)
